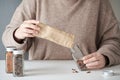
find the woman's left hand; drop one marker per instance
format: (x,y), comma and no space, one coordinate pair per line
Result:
(94,61)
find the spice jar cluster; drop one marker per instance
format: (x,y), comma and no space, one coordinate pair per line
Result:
(14,61)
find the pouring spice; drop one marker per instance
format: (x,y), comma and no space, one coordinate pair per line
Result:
(9,60)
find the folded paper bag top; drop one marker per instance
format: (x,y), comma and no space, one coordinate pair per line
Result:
(57,36)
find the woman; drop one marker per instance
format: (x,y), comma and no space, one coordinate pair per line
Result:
(91,21)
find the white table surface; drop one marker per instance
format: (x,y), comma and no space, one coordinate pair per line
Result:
(57,70)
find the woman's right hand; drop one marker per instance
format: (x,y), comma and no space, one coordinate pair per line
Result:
(28,28)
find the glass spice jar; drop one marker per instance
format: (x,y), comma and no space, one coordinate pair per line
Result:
(9,61)
(18,57)
(77,55)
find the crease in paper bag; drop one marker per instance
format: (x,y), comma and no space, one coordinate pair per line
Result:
(57,36)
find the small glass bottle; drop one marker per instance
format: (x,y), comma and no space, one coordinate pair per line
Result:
(77,55)
(9,61)
(18,57)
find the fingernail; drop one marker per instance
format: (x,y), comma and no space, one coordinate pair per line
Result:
(84,62)
(83,58)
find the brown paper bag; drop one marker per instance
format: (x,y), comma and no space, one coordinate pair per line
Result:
(57,36)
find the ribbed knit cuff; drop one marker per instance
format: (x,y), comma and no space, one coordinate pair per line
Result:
(106,60)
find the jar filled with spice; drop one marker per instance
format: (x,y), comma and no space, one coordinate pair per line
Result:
(9,59)
(18,57)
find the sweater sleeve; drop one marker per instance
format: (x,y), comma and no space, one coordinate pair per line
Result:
(25,11)
(109,33)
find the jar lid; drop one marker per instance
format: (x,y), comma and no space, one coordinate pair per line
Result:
(107,73)
(10,48)
(18,52)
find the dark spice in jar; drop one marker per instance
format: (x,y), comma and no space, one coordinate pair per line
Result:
(18,63)
(82,66)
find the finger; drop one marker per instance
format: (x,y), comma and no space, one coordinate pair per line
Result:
(93,67)
(30,31)
(31,26)
(28,35)
(92,59)
(93,64)
(88,56)
(32,22)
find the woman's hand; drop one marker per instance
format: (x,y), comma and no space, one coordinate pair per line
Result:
(94,61)
(27,29)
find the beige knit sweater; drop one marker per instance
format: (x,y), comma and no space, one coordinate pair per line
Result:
(91,21)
